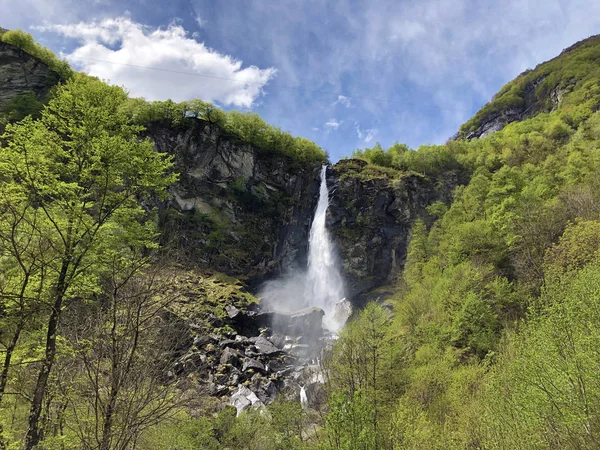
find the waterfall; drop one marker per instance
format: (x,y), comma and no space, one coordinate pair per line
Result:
(324,283)
(320,283)
(303,397)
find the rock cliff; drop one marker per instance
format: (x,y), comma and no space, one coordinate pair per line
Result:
(247,212)
(21,73)
(236,209)
(370,216)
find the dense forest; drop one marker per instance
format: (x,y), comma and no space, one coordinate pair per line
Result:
(489,341)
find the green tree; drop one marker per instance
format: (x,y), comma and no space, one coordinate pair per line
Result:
(362,362)
(83,170)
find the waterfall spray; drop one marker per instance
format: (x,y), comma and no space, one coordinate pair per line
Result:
(321,283)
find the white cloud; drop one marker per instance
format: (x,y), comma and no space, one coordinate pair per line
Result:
(199,20)
(365,135)
(343,100)
(120,50)
(370,135)
(333,124)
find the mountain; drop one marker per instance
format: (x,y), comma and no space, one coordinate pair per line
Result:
(565,82)
(472,268)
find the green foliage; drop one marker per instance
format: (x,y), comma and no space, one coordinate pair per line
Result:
(70,216)
(21,106)
(574,75)
(25,42)
(247,127)
(279,426)
(578,246)
(494,329)
(348,425)
(544,393)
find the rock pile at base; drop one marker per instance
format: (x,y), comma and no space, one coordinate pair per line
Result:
(269,354)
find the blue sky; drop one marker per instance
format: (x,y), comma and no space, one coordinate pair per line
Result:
(345,74)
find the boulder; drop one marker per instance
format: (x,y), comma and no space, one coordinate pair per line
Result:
(253,364)
(201,341)
(307,322)
(277,339)
(243,398)
(239,345)
(299,350)
(231,356)
(265,347)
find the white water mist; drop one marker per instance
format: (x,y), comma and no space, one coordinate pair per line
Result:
(320,283)
(324,283)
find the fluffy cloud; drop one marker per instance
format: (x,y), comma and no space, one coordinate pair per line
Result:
(121,50)
(332,124)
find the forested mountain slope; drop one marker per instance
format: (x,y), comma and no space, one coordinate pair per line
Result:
(492,341)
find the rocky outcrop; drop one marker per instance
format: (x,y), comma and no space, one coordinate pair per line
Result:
(370,216)
(236,209)
(21,73)
(540,90)
(529,105)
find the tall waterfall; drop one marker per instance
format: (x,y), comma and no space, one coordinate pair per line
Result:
(320,283)
(324,283)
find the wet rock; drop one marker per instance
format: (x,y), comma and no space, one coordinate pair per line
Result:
(306,322)
(277,339)
(373,249)
(299,350)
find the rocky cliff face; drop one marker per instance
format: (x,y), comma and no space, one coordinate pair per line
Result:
(370,216)
(21,73)
(235,208)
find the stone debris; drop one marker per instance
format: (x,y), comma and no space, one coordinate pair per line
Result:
(250,370)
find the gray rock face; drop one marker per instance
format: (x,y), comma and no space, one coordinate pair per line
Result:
(370,218)
(230,356)
(21,73)
(264,346)
(308,322)
(236,209)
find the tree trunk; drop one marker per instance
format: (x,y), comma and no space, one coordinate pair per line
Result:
(34,435)
(7,359)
